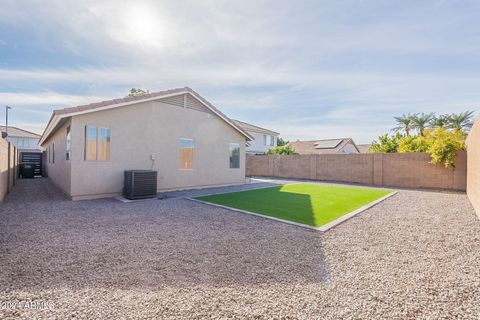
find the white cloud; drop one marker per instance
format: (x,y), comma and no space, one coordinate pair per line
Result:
(309,70)
(45,98)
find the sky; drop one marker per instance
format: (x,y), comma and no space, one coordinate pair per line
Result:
(307,69)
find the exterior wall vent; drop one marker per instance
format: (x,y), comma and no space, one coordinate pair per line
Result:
(140,184)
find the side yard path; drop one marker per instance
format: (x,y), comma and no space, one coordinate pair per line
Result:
(415,255)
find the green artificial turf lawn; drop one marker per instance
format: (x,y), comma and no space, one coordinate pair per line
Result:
(311,204)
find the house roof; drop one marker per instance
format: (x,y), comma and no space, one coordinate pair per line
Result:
(17,132)
(363,147)
(325,146)
(58,115)
(252,128)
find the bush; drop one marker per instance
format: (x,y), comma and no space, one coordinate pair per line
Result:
(413,144)
(281,150)
(386,143)
(443,145)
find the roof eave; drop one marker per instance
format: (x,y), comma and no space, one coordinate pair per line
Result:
(57,114)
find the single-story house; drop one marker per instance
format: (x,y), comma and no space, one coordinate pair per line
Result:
(22,139)
(178,133)
(326,146)
(263,139)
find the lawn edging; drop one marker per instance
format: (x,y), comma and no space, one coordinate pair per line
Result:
(321,228)
(349,215)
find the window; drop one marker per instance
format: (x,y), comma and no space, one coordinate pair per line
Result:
(49,155)
(97,143)
(272,141)
(264,140)
(68,144)
(103,144)
(186,153)
(53,153)
(90,143)
(234,155)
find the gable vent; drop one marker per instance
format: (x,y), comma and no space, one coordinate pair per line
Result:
(193,103)
(174,100)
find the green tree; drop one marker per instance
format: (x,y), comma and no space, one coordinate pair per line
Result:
(421,121)
(386,143)
(413,144)
(281,142)
(460,121)
(439,122)
(136,92)
(281,150)
(443,145)
(404,123)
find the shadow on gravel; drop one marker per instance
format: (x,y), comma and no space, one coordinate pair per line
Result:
(52,242)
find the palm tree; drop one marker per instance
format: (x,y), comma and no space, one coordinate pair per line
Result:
(421,121)
(460,121)
(404,123)
(439,122)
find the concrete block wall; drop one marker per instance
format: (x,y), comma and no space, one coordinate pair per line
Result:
(404,170)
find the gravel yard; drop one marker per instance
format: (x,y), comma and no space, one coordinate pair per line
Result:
(415,255)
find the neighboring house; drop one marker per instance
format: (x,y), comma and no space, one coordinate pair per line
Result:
(263,139)
(328,146)
(188,141)
(22,139)
(364,148)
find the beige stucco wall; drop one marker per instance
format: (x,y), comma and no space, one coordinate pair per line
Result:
(8,169)
(58,172)
(3,168)
(154,128)
(405,170)
(473,163)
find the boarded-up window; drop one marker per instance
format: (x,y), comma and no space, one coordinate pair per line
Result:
(234,155)
(97,143)
(187,147)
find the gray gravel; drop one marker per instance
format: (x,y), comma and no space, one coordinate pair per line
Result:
(415,255)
